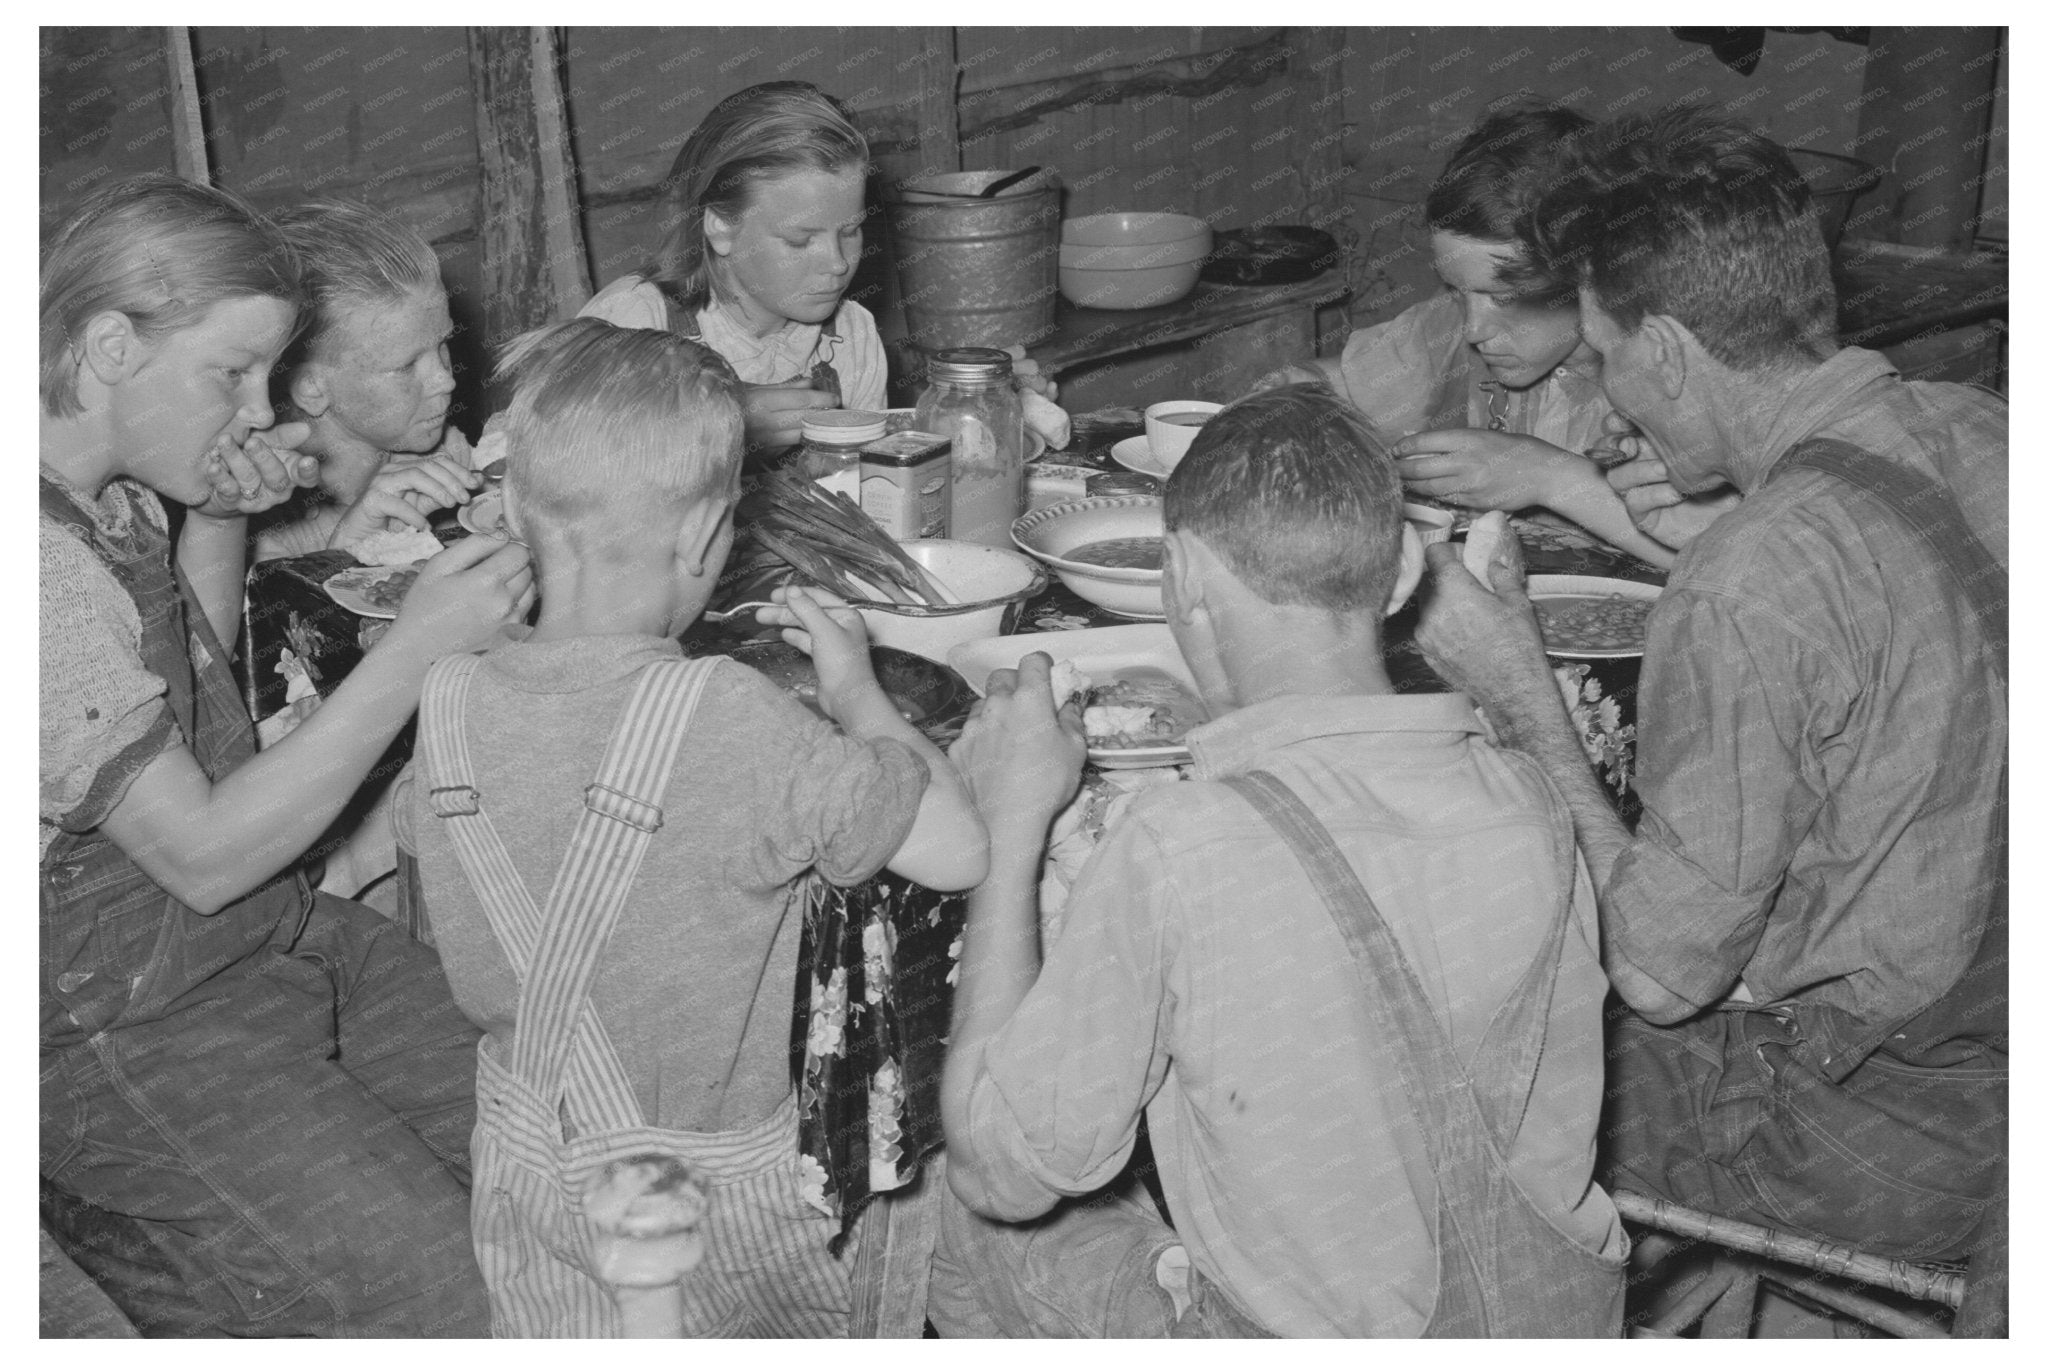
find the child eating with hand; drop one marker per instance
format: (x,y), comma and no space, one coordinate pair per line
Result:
(607,834)
(1487,394)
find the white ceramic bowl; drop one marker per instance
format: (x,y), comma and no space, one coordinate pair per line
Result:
(991,583)
(1432,524)
(1131,260)
(1170,440)
(1050,533)
(1122,230)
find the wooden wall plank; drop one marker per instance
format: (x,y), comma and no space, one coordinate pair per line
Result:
(533,265)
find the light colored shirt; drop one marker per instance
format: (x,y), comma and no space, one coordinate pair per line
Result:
(1820,734)
(696,988)
(1200,978)
(101,714)
(1416,373)
(787,353)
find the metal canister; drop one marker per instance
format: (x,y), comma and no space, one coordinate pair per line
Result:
(906,484)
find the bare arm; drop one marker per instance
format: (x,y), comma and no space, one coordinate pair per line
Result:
(947,849)
(208,842)
(1495,470)
(213,548)
(1023,762)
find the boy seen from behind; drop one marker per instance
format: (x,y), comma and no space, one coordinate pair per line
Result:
(1288,965)
(607,834)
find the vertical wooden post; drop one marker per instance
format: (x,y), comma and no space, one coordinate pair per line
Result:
(188,133)
(1316,70)
(938,103)
(528,216)
(1927,111)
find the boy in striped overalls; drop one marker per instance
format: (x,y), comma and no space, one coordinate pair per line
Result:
(606,833)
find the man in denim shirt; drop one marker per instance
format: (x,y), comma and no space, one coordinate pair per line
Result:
(1800,923)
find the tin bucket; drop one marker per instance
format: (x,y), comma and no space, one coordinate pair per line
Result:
(976,272)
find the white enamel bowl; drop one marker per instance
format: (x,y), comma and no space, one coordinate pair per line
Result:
(1050,533)
(992,584)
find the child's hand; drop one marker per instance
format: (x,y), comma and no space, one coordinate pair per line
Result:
(1468,467)
(260,473)
(401,495)
(832,633)
(1020,758)
(464,596)
(775,412)
(1660,511)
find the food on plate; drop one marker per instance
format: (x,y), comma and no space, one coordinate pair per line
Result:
(380,589)
(1068,682)
(1124,552)
(1141,709)
(382,548)
(1589,621)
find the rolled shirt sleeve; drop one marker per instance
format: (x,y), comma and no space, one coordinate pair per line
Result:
(102,717)
(1738,706)
(1409,374)
(1054,1110)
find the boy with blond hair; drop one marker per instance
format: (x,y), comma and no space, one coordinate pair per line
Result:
(607,832)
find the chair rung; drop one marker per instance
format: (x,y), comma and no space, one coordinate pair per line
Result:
(1906,1277)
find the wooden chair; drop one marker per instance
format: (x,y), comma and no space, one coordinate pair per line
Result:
(1896,1297)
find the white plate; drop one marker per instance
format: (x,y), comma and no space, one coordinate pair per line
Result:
(348,587)
(1101,652)
(483,513)
(1543,585)
(1135,454)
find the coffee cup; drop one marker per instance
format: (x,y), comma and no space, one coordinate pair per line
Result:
(1170,428)
(1432,524)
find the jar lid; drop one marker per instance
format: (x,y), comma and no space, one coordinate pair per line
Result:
(845,426)
(969,364)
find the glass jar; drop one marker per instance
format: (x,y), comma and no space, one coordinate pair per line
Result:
(830,455)
(972,400)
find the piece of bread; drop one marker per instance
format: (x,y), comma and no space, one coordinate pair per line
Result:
(381,548)
(1068,682)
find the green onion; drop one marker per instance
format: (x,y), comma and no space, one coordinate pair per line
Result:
(826,537)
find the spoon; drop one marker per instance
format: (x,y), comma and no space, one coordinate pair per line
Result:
(996,187)
(988,191)
(720,617)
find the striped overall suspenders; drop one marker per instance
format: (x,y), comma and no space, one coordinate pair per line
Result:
(561,1106)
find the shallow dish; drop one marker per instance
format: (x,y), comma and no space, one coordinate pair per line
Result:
(483,514)
(375,592)
(1102,653)
(1561,589)
(1135,454)
(992,584)
(1052,533)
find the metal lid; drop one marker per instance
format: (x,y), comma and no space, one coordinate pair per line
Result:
(968,364)
(845,426)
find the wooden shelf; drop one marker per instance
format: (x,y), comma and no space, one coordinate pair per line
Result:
(1085,335)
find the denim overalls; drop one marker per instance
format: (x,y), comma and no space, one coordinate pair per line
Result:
(253,1122)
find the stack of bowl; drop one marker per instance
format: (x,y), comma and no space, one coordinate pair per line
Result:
(1131,260)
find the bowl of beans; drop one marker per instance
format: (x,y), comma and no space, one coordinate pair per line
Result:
(1591,618)
(1107,550)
